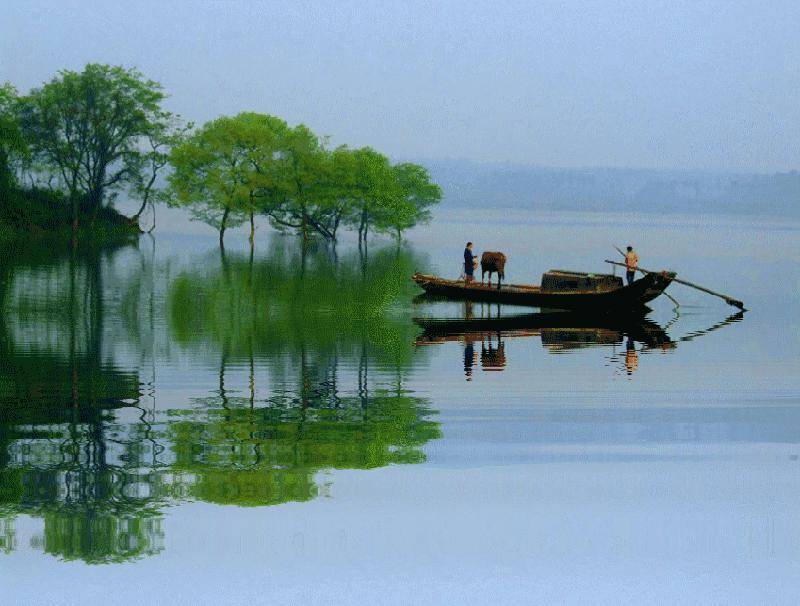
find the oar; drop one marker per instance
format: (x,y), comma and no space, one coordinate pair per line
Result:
(726,298)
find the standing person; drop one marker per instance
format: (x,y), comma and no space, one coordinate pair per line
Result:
(631,263)
(469,263)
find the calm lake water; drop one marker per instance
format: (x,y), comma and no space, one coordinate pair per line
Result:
(179,425)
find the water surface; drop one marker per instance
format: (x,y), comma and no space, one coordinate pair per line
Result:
(183,424)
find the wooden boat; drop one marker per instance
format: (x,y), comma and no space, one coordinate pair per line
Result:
(560,289)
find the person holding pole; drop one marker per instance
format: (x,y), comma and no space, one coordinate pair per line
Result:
(631,264)
(728,299)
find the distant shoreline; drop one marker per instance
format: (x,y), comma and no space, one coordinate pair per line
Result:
(452,205)
(470,185)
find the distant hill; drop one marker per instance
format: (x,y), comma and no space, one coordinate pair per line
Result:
(470,184)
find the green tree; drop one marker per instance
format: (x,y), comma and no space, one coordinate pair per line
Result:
(11,142)
(88,128)
(363,189)
(415,195)
(303,205)
(230,169)
(341,188)
(235,167)
(375,188)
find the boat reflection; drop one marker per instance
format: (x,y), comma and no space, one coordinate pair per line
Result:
(492,354)
(631,357)
(559,332)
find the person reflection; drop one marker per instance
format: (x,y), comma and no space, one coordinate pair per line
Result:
(470,357)
(468,310)
(631,357)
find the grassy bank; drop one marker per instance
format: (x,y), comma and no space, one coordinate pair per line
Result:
(39,213)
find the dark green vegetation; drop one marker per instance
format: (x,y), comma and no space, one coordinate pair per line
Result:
(70,147)
(320,344)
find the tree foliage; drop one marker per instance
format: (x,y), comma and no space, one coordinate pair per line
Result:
(417,195)
(305,172)
(11,141)
(236,167)
(88,128)
(83,137)
(230,167)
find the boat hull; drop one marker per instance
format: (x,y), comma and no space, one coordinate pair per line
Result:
(632,297)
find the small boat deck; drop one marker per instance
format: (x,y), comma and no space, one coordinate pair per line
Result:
(526,288)
(602,295)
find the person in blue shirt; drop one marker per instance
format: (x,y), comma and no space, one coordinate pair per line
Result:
(469,263)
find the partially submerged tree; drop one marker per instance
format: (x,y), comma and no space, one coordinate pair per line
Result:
(341,188)
(302,203)
(374,188)
(230,168)
(236,167)
(416,194)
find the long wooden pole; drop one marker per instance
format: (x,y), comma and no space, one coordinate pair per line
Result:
(727,299)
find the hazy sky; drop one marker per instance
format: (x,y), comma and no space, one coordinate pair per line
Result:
(650,84)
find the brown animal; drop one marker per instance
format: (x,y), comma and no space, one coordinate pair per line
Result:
(493,262)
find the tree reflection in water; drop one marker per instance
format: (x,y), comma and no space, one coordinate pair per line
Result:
(321,334)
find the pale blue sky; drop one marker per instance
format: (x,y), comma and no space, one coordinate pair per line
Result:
(648,84)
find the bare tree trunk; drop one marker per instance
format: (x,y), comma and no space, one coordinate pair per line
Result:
(364,228)
(145,200)
(362,233)
(75,212)
(152,227)
(304,228)
(95,201)
(222,227)
(252,227)
(144,204)
(73,362)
